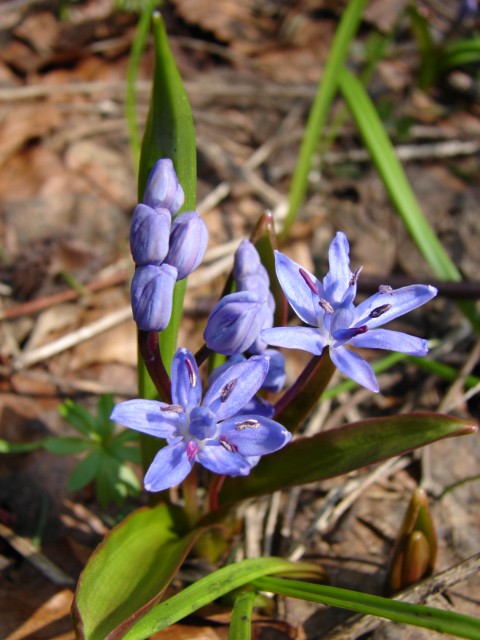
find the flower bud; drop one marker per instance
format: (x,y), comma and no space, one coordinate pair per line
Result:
(188,242)
(149,235)
(248,271)
(151,296)
(275,379)
(235,322)
(163,190)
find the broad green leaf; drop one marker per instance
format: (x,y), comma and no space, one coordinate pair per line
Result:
(129,572)
(207,590)
(85,471)
(403,612)
(332,453)
(398,187)
(318,114)
(297,403)
(20,447)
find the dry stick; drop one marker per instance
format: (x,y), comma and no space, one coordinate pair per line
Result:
(72,339)
(358,626)
(26,549)
(35,306)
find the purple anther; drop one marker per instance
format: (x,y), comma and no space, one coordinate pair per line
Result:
(192,376)
(172,408)
(379,311)
(247,424)
(226,444)
(227,390)
(385,288)
(309,282)
(354,278)
(326,306)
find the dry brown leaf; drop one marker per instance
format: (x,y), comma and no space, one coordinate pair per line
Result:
(41,621)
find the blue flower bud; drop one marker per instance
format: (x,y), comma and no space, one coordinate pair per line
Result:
(248,271)
(275,379)
(151,296)
(188,242)
(149,234)
(235,322)
(163,190)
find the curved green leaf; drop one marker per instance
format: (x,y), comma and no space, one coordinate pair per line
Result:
(332,453)
(404,612)
(207,590)
(129,571)
(241,621)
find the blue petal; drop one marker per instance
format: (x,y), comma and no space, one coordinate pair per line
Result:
(219,459)
(163,189)
(355,367)
(392,340)
(305,338)
(203,424)
(303,301)
(186,381)
(188,242)
(233,389)
(254,435)
(149,416)
(169,467)
(151,296)
(235,322)
(384,307)
(338,279)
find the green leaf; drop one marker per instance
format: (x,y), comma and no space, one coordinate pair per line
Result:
(404,612)
(318,114)
(85,471)
(207,590)
(398,187)
(105,426)
(332,453)
(81,419)
(129,571)
(20,447)
(65,446)
(241,621)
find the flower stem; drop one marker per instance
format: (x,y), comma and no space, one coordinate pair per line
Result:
(149,350)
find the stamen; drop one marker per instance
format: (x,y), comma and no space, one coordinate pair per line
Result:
(385,288)
(192,376)
(172,408)
(229,446)
(192,448)
(326,306)
(308,281)
(247,424)
(354,278)
(379,311)
(227,390)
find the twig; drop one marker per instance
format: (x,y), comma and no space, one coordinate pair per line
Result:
(70,340)
(26,549)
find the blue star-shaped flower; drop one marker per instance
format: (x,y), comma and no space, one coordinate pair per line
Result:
(207,431)
(335,321)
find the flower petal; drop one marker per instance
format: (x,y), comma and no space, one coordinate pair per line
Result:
(339,276)
(186,381)
(149,234)
(169,467)
(254,435)
(233,389)
(149,416)
(223,460)
(384,307)
(302,299)
(305,338)
(355,367)
(392,340)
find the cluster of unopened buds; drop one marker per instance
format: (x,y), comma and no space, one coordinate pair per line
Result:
(231,426)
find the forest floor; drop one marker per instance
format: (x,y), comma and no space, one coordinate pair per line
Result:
(67,190)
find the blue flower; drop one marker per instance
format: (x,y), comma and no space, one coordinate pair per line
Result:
(236,321)
(149,234)
(208,431)
(188,243)
(335,321)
